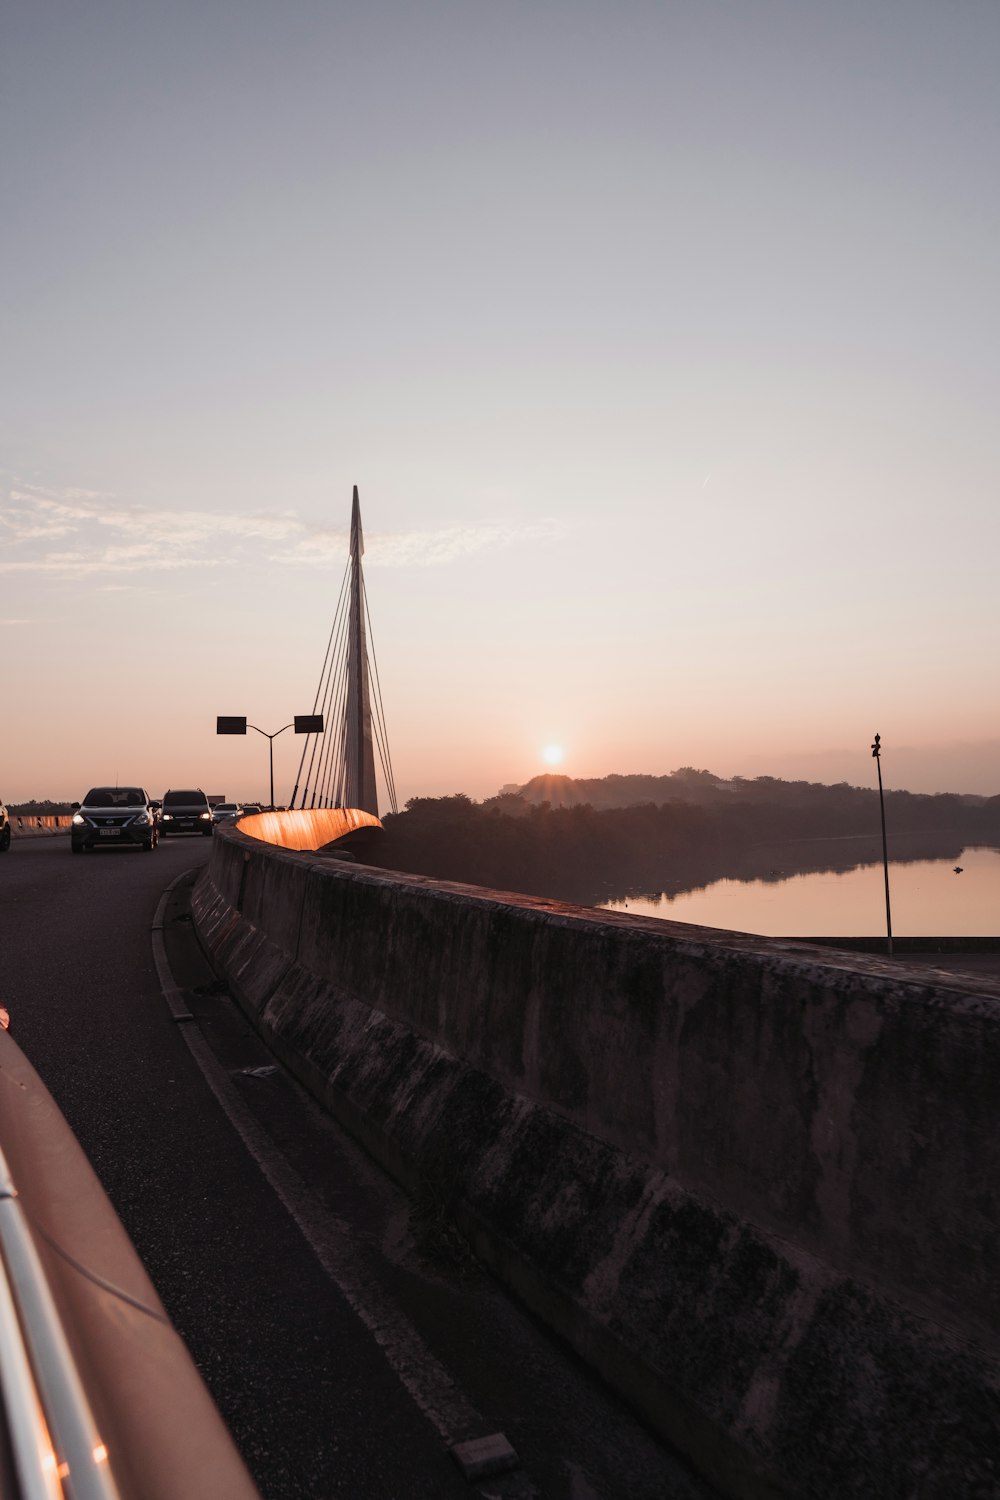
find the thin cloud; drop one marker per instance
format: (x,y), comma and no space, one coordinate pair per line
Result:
(103,536)
(419,549)
(16,622)
(109,537)
(111,560)
(24,524)
(74,509)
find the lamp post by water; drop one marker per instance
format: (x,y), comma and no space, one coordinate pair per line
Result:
(304,724)
(877,756)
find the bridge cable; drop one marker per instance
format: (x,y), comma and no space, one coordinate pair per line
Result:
(382,740)
(332,778)
(318,745)
(315,744)
(330,718)
(381,730)
(316,700)
(333,749)
(336,745)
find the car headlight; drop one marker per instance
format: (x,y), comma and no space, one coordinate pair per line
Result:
(78,818)
(167,817)
(142,817)
(204,815)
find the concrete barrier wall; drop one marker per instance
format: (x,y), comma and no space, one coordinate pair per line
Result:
(300,828)
(27,826)
(754,1182)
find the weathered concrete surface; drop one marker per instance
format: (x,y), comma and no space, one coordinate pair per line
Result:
(756,1183)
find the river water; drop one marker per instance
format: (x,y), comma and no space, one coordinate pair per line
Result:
(928,899)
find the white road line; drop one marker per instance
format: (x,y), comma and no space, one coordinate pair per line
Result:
(330,1239)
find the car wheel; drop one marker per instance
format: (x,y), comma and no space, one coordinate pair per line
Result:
(76,848)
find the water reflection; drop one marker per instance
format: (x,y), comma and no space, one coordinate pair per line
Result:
(834,888)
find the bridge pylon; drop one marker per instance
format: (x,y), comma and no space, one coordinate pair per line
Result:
(359,756)
(339,769)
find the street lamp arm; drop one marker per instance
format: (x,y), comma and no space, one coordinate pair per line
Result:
(267,736)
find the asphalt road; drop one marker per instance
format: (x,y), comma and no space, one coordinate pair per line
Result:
(345,1353)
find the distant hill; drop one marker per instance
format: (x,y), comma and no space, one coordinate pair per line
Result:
(686,785)
(704,789)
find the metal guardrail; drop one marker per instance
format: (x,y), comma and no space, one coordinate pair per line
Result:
(96,1385)
(56,1446)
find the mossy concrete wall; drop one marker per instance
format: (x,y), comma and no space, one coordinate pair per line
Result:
(756,1183)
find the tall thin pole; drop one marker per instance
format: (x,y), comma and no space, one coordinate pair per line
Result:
(270,745)
(877,754)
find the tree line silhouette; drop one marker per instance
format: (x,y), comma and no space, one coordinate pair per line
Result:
(706,830)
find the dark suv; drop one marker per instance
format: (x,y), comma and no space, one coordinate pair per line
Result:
(111,816)
(186,812)
(4,829)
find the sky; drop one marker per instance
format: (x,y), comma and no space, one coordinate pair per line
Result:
(660,339)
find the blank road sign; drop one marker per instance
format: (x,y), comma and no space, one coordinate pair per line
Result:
(308,723)
(230,725)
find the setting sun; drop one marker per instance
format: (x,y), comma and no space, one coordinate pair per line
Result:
(553,754)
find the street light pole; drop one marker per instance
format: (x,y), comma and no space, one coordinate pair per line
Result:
(270,745)
(237,724)
(877,756)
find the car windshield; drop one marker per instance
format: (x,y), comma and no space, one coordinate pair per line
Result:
(115,796)
(184,799)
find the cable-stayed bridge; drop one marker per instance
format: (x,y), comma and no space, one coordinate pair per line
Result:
(337,769)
